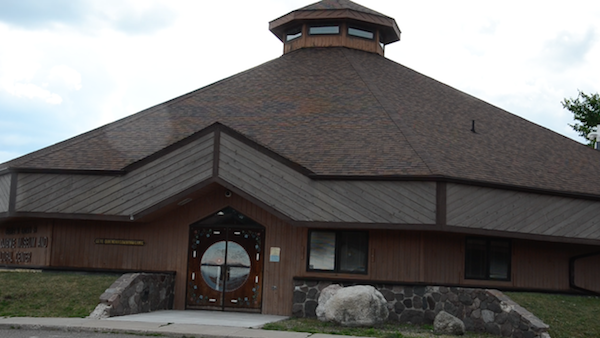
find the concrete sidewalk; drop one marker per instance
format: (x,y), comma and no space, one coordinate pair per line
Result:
(170,325)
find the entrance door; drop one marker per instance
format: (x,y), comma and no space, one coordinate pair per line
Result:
(225,268)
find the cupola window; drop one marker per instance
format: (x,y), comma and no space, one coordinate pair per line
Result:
(293,34)
(361,33)
(324,30)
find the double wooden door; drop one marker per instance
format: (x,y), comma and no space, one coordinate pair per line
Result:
(225,268)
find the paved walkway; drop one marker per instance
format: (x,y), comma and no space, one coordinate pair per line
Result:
(206,324)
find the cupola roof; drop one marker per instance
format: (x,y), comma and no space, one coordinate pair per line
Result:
(292,27)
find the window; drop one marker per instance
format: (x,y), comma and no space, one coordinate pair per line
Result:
(293,34)
(338,251)
(361,33)
(487,259)
(321,30)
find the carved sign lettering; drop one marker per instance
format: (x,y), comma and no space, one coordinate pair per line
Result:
(134,242)
(12,244)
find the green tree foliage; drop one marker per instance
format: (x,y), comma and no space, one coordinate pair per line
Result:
(586,110)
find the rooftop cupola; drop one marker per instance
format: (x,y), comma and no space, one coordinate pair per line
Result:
(335,23)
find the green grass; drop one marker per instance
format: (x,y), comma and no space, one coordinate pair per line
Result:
(30,294)
(389,330)
(568,316)
(36,294)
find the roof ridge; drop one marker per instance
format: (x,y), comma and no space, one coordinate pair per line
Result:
(345,50)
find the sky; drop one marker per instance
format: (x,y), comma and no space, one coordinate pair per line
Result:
(67,67)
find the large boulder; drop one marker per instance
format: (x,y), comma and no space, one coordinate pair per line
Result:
(360,305)
(324,297)
(445,323)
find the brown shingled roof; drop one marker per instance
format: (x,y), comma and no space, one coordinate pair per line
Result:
(339,4)
(343,112)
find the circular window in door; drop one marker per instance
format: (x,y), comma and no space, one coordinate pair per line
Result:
(225,266)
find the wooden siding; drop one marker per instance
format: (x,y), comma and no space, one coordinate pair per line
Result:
(26,243)
(123,195)
(513,211)
(303,199)
(587,273)
(4,192)
(395,256)
(341,39)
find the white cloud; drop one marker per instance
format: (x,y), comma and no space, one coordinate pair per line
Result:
(67,76)
(31,91)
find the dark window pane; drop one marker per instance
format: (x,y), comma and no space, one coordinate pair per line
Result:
(360,33)
(324,30)
(322,251)
(499,259)
(293,34)
(475,265)
(353,252)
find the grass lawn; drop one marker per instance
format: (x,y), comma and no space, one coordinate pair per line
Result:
(568,316)
(63,294)
(313,325)
(60,294)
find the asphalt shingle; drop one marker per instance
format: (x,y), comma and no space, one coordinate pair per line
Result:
(344,112)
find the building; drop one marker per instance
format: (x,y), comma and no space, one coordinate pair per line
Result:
(329,163)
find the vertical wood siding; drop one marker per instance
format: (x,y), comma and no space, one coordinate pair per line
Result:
(394,256)
(544,266)
(125,195)
(4,192)
(443,258)
(512,211)
(39,242)
(303,199)
(587,273)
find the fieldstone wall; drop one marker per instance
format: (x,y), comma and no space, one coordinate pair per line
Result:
(136,293)
(481,310)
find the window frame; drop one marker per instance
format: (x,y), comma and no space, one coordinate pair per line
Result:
(487,259)
(295,33)
(337,251)
(358,28)
(338,26)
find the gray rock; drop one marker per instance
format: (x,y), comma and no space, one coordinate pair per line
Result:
(411,316)
(487,316)
(445,323)
(325,296)
(101,311)
(360,305)
(310,308)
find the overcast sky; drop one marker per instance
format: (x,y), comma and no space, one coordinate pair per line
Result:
(67,67)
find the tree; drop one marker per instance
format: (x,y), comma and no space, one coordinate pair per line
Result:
(586,110)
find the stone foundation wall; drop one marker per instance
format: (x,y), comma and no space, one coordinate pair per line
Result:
(482,310)
(136,293)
